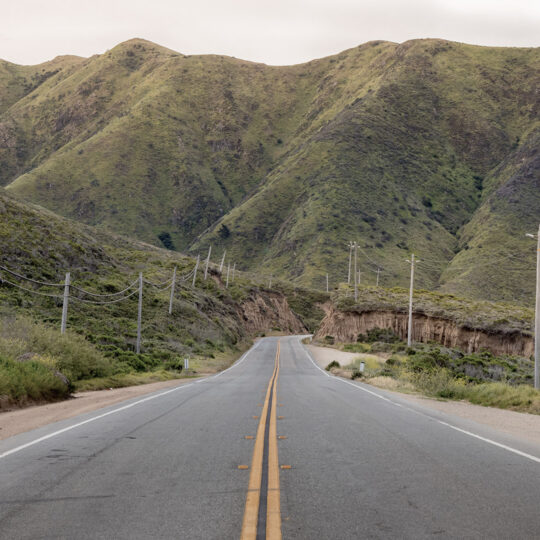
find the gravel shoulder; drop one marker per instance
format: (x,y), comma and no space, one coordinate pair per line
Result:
(521,425)
(21,420)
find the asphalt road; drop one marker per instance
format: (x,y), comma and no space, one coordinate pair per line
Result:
(327,459)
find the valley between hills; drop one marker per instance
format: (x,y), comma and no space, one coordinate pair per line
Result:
(142,158)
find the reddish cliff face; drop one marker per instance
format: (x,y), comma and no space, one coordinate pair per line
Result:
(265,311)
(345,327)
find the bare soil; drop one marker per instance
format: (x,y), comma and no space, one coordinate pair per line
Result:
(521,425)
(21,420)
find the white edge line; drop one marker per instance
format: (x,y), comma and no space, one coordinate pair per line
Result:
(119,409)
(464,431)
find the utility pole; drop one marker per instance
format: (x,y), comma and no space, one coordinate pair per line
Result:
(207,262)
(228,270)
(537,315)
(195,271)
(222,261)
(65,304)
(350,259)
(172,289)
(139,317)
(355,245)
(378,272)
(537,319)
(359,277)
(409,329)
(326,282)
(270,282)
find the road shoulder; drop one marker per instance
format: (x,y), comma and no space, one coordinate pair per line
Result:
(22,420)
(523,426)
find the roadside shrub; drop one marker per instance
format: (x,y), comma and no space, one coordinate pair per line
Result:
(176,364)
(331,365)
(21,382)
(74,356)
(428,361)
(329,340)
(385,335)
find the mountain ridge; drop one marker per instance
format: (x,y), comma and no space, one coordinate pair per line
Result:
(399,146)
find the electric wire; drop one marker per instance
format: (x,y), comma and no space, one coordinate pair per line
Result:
(43,283)
(97,295)
(3,280)
(101,303)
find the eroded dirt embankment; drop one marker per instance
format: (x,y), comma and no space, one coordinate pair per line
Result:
(264,311)
(345,326)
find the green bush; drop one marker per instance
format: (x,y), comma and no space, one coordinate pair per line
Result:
(75,357)
(385,335)
(331,365)
(32,380)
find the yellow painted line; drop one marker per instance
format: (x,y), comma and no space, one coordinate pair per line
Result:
(251,511)
(273,506)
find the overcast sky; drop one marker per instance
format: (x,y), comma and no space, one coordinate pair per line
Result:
(272,31)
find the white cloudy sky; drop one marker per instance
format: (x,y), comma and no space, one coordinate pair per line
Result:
(270,31)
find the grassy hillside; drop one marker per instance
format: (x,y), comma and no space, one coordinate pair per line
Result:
(207,321)
(427,146)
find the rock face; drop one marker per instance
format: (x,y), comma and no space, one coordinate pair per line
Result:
(265,311)
(345,327)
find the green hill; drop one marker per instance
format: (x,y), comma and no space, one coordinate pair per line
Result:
(207,321)
(427,146)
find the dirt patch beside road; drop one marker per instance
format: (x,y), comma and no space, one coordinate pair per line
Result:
(520,425)
(21,420)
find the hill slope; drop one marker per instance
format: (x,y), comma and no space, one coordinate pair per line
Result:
(428,146)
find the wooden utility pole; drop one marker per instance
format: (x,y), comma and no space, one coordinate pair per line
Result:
(537,318)
(351,245)
(172,290)
(139,316)
(65,304)
(355,245)
(409,329)
(222,261)
(207,262)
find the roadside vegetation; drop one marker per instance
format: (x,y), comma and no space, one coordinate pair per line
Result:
(37,364)
(435,371)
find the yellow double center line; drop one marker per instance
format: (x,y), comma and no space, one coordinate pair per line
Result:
(273,512)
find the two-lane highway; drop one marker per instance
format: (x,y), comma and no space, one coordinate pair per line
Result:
(273,446)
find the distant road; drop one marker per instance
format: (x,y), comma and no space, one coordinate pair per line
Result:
(271,447)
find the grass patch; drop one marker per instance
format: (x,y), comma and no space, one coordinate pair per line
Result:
(125,379)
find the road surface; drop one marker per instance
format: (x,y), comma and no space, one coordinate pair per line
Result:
(272,447)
